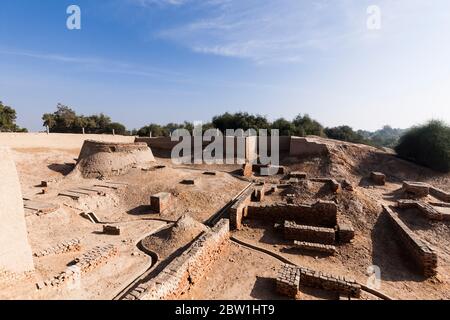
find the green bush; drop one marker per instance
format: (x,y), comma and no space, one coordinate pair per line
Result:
(428,145)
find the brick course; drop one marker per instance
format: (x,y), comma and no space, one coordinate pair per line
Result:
(293,231)
(424,256)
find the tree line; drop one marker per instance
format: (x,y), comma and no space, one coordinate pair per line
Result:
(428,144)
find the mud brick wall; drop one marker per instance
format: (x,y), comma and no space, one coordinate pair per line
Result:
(424,256)
(440,194)
(188,268)
(63,247)
(288,281)
(428,210)
(293,231)
(322,213)
(239,209)
(417,189)
(89,261)
(344,232)
(315,247)
(317,279)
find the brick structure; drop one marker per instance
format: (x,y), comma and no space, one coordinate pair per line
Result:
(378,178)
(423,255)
(322,213)
(188,268)
(259,193)
(315,247)
(111,230)
(332,183)
(63,247)
(291,278)
(247,170)
(440,194)
(416,189)
(288,281)
(344,232)
(298,175)
(89,261)
(160,202)
(293,231)
(239,209)
(317,279)
(426,209)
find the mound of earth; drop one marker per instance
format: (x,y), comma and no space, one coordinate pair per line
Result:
(103,159)
(183,232)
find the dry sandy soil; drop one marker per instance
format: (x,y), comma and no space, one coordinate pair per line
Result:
(243,273)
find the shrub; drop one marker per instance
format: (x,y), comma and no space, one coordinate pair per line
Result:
(428,145)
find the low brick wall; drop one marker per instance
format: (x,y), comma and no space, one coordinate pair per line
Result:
(315,247)
(239,209)
(317,279)
(188,268)
(290,278)
(440,194)
(322,213)
(426,209)
(344,233)
(293,231)
(424,256)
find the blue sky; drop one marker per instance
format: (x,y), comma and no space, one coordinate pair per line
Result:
(144,61)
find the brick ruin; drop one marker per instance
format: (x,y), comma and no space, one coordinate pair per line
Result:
(426,209)
(423,255)
(321,213)
(62,247)
(87,262)
(440,194)
(416,189)
(315,247)
(160,202)
(293,231)
(188,268)
(291,278)
(378,178)
(104,159)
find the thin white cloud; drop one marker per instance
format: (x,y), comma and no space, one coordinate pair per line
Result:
(287,30)
(94,64)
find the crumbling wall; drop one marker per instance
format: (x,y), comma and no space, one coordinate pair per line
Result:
(15,251)
(322,213)
(291,278)
(189,268)
(293,231)
(426,209)
(424,256)
(440,194)
(102,159)
(239,209)
(305,147)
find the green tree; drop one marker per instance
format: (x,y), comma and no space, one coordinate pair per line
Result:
(304,125)
(344,133)
(285,127)
(8,118)
(428,145)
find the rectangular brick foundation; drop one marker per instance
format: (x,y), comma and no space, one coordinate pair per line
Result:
(322,213)
(293,231)
(426,209)
(344,233)
(188,268)
(425,257)
(417,189)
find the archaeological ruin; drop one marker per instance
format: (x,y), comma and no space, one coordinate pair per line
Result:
(117,219)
